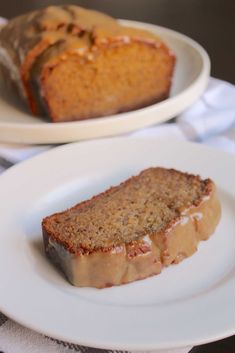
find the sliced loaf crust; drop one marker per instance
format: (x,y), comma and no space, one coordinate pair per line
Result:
(69,63)
(132,230)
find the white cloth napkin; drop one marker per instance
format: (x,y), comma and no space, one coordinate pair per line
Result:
(211,121)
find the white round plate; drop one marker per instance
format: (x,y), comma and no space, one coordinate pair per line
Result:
(187,304)
(189,81)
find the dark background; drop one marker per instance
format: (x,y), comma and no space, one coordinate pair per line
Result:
(210,22)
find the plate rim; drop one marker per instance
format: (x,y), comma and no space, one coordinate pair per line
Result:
(152,346)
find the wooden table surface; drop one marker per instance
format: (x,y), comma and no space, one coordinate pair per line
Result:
(210,22)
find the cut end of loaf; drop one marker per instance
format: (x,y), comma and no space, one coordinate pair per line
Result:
(105,80)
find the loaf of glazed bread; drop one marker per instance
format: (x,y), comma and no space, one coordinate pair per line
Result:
(132,230)
(69,63)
